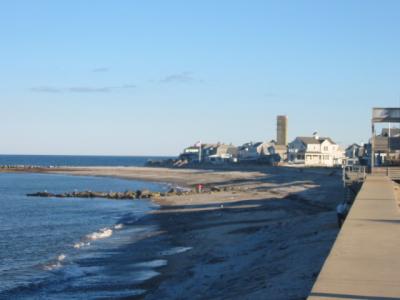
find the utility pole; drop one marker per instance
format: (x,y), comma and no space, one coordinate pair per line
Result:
(199,152)
(372,147)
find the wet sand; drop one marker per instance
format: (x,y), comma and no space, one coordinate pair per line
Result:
(267,238)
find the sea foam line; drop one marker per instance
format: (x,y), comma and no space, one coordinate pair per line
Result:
(101,234)
(97,235)
(118,226)
(55,264)
(175,250)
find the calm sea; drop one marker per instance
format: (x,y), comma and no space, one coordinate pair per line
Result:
(43,241)
(71,160)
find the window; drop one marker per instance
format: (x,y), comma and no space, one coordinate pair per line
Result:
(326,148)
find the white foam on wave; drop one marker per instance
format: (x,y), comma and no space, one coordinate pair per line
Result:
(101,234)
(175,250)
(61,257)
(119,226)
(152,264)
(56,264)
(81,245)
(140,276)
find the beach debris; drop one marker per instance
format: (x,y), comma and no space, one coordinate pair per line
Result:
(215,189)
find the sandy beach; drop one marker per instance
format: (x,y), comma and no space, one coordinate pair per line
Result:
(265,235)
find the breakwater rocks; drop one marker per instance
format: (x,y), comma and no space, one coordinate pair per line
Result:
(130,195)
(127,195)
(140,194)
(25,167)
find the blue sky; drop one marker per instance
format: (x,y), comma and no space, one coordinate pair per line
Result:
(150,77)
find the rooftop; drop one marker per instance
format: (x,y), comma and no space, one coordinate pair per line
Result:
(313,140)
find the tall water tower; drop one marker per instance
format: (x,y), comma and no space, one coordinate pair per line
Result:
(282,130)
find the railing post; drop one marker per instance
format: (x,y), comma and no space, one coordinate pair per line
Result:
(344,176)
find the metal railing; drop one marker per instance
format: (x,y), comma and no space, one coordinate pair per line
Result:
(390,171)
(354,173)
(393,173)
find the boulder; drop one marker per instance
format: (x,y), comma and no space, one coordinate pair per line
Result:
(146,194)
(215,189)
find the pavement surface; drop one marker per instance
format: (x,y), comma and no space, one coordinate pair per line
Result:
(364,262)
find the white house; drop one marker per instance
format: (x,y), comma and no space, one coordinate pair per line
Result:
(315,151)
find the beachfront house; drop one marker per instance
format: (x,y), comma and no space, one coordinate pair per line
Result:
(213,153)
(251,151)
(219,153)
(386,147)
(277,153)
(190,154)
(353,154)
(262,151)
(315,151)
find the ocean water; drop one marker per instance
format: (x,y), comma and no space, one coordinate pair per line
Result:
(73,160)
(53,248)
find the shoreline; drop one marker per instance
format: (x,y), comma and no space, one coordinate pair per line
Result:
(268,236)
(174,175)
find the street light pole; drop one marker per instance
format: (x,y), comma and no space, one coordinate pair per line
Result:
(200,152)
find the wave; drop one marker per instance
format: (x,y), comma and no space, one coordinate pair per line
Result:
(81,245)
(101,234)
(97,235)
(175,250)
(151,264)
(55,264)
(118,226)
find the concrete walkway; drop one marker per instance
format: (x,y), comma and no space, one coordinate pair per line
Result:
(364,262)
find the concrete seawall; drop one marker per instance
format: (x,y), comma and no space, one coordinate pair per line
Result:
(364,262)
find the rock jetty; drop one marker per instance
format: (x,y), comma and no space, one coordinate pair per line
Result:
(130,195)
(89,194)
(139,194)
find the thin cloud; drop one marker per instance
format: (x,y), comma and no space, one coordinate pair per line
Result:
(45,89)
(127,86)
(271,95)
(101,69)
(87,89)
(184,77)
(81,89)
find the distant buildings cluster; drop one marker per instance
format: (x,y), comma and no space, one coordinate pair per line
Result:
(383,149)
(386,149)
(303,150)
(308,151)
